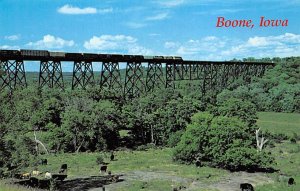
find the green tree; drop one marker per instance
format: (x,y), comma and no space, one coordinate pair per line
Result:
(221,141)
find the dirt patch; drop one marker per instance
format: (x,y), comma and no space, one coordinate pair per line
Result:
(228,183)
(232,182)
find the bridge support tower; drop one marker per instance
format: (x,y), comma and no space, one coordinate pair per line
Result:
(12,74)
(83,74)
(51,74)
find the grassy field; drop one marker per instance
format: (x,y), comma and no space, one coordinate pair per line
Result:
(286,123)
(9,187)
(144,164)
(154,169)
(288,161)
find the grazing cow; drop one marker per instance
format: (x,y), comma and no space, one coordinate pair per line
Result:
(198,163)
(35,173)
(291,181)
(26,175)
(246,187)
(103,168)
(44,161)
(48,175)
(112,156)
(63,168)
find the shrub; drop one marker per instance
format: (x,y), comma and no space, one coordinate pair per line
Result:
(175,138)
(293,140)
(276,137)
(225,142)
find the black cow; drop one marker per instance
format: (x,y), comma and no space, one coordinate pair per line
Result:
(246,187)
(291,181)
(44,162)
(103,168)
(112,156)
(198,163)
(63,168)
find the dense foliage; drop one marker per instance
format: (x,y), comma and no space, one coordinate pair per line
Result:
(224,139)
(91,120)
(278,90)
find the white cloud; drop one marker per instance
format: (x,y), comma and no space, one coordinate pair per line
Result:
(170,3)
(287,44)
(139,50)
(257,41)
(116,44)
(144,23)
(224,48)
(204,45)
(9,47)
(108,42)
(12,37)
(273,40)
(209,38)
(69,9)
(219,12)
(51,42)
(170,45)
(160,16)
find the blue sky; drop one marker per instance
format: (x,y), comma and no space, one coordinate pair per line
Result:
(185,28)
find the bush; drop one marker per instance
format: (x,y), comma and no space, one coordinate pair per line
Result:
(194,140)
(175,138)
(221,142)
(293,140)
(276,137)
(1,173)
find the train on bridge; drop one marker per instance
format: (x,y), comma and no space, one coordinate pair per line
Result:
(142,73)
(65,56)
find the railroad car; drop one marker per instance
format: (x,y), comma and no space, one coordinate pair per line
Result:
(90,56)
(38,53)
(9,53)
(58,54)
(74,56)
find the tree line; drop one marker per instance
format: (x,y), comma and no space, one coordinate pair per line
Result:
(216,128)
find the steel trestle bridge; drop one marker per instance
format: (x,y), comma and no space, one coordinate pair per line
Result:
(142,73)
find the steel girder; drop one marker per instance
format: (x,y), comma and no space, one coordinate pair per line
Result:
(134,82)
(12,74)
(51,74)
(154,78)
(110,77)
(83,74)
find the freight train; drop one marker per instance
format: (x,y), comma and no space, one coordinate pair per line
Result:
(64,56)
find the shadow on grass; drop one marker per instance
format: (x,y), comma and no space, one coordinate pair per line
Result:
(78,184)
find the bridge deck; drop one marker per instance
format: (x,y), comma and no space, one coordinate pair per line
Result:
(44,55)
